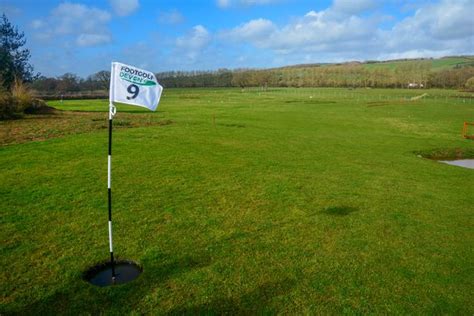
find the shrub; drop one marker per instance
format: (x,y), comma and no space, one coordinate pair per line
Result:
(8,106)
(38,106)
(470,84)
(13,104)
(21,93)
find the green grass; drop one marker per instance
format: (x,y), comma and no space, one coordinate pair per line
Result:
(449,62)
(436,64)
(98,105)
(289,201)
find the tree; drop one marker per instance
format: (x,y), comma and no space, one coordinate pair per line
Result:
(13,58)
(69,83)
(45,85)
(241,79)
(102,78)
(470,84)
(261,78)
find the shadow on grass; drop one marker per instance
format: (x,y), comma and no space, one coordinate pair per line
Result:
(231,125)
(340,210)
(254,302)
(83,298)
(79,297)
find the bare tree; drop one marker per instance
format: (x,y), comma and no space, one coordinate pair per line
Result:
(102,78)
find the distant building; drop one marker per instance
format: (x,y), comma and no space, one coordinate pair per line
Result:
(415,85)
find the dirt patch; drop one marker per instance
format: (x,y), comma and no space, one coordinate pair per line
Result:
(447,153)
(62,123)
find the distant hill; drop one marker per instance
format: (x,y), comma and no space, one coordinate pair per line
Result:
(435,63)
(447,72)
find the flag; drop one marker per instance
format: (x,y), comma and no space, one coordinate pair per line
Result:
(134,86)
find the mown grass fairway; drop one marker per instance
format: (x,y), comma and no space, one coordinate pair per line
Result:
(290,201)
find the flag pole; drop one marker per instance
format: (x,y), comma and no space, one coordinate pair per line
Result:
(112,112)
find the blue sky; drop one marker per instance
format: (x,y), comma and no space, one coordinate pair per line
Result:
(84,36)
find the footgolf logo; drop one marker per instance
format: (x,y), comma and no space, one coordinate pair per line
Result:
(135,86)
(137,76)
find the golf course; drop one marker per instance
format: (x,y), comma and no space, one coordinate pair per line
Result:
(243,201)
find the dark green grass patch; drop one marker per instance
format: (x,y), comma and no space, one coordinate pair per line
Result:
(340,210)
(307,209)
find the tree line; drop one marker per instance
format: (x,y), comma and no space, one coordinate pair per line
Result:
(71,83)
(354,75)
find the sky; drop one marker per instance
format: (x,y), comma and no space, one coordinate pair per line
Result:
(83,36)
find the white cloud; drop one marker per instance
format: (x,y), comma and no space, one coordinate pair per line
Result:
(445,20)
(92,39)
(416,53)
(223,3)
(87,25)
(36,24)
(171,17)
(124,7)
(194,42)
(442,28)
(254,30)
(315,31)
(69,18)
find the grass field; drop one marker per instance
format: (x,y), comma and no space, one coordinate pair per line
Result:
(288,201)
(436,64)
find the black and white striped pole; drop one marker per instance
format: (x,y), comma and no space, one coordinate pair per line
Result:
(112,112)
(133,86)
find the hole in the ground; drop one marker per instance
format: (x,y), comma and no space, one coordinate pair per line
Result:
(101,274)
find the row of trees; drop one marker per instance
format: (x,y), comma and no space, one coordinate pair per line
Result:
(345,75)
(359,75)
(71,83)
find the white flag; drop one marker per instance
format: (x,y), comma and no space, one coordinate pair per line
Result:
(135,86)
